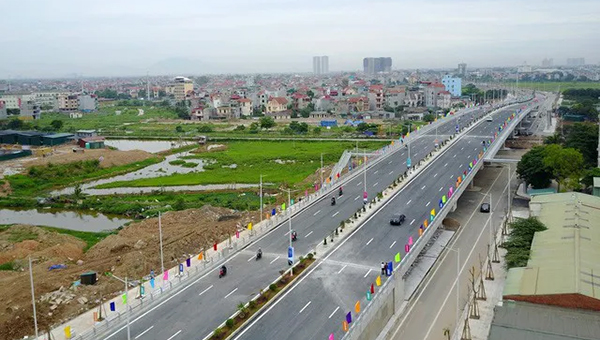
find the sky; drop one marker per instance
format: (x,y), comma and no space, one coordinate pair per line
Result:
(57,38)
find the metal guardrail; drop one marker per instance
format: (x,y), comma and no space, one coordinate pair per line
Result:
(386,291)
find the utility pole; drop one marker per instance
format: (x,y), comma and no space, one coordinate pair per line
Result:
(365,176)
(162,262)
(261,199)
(33,299)
(290,223)
(321,170)
(127,307)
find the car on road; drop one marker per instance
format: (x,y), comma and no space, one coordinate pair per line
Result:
(485,208)
(397,219)
(489,119)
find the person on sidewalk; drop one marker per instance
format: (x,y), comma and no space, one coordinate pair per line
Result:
(383,268)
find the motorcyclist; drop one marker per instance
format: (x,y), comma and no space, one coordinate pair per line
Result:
(259,253)
(223,270)
(294,235)
(333,201)
(341,192)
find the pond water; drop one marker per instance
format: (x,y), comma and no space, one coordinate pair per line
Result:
(61,219)
(152,146)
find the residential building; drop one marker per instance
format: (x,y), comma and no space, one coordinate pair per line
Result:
(300,101)
(373,66)
(321,65)
(547,62)
(31,110)
(245,106)
(376,98)
(86,133)
(453,85)
(317,65)
(413,99)
(48,100)
(200,114)
(555,296)
(181,87)
(462,69)
(431,94)
(68,102)
(14,100)
(224,113)
(277,104)
(324,103)
(444,100)
(324,64)
(88,103)
(394,97)
(358,104)
(3,114)
(155,92)
(575,61)
(279,115)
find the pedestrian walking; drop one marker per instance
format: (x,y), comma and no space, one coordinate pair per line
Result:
(383,268)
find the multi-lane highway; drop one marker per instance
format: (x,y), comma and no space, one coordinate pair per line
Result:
(315,306)
(195,311)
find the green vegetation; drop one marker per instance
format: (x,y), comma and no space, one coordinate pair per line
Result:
(478,95)
(177,162)
(286,162)
(90,238)
(543,163)
(554,86)
(40,178)
(19,235)
(518,245)
(8,266)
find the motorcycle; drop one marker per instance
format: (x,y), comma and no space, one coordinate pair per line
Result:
(258,255)
(222,272)
(294,237)
(333,201)
(340,192)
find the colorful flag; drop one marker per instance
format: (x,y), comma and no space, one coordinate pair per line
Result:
(357,307)
(349,317)
(124,298)
(410,241)
(166,275)
(397,257)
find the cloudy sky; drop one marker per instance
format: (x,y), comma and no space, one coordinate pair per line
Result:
(48,38)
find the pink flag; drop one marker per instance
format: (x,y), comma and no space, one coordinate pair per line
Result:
(410,241)
(237,234)
(331,336)
(166,276)
(406,248)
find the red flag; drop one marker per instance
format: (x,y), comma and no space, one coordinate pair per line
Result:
(372,289)
(215,246)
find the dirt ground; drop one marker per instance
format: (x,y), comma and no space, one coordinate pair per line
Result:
(133,252)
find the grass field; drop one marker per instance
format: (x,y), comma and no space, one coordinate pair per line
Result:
(554,86)
(285,162)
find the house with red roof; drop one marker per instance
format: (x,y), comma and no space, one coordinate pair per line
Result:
(277,104)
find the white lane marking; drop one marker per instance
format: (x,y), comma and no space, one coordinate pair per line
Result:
(144,332)
(428,203)
(330,315)
(233,291)
(461,149)
(434,176)
(277,258)
(407,203)
(344,267)
(391,172)
(451,176)
(423,187)
(359,183)
(250,259)
(413,221)
(469,157)
(371,240)
(307,235)
(206,290)
(174,335)
(454,156)
(469,141)
(390,162)
(367,273)
(375,184)
(446,164)
(441,188)
(392,244)
(335,214)
(357,197)
(318,211)
(287,232)
(303,308)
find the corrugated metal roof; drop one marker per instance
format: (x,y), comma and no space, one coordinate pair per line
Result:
(564,258)
(526,321)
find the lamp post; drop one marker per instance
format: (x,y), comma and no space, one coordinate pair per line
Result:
(33,299)
(261,198)
(457,250)
(127,307)
(365,176)
(321,171)
(162,262)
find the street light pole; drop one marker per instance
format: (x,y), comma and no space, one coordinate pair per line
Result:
(162,262)
(321,170)
(261,199)
(127,307)
(290,222)
(33,299)
(365,174)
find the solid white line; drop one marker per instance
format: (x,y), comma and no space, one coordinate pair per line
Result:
(308,234)
(423,187)
(451,176)
(367,273)
(144,332)
(391,172)
(277,258)
(469,157)
(428,203)
(375,184)
(174,335)
(407,203)
(359,183)
(204,291)
(357,197)
(335,214)
(413,221)
(318,211)
(434,176)
(330,315)
(392,244)
(344,267)
(371,240)
(303,308)
(233,291)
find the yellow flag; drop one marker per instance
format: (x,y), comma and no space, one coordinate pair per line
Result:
(68,332)
(378,280)
(249,226)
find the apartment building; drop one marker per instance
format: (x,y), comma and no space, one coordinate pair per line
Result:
(88,103)
(31,110)
(180,87)
(245,107)
(452,85)
(277,104)
(68,103)
(431,93)
(394,97)
(376,97)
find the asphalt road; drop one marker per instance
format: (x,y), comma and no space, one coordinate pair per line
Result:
(196,310)
(315,306)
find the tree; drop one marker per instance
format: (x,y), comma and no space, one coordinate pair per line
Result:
(15,124)
(162,94)
(519,241)
(179,129)
(206,128)
(310,94)
(182,109)
(266,122)
(563,163)
(299,128)
(584,138)
(317,130)
(554,139)
(429,117)
(240,128)
(254,127)
(588,177)
(57,124)
(532,170)
(142,93)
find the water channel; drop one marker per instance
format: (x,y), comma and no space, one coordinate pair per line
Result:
(61,219)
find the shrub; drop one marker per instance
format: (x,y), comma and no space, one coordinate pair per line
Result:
(252,304)
(229,323)
(310,256)
(218,332)
(272,287)
(7,266)
(301,258)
